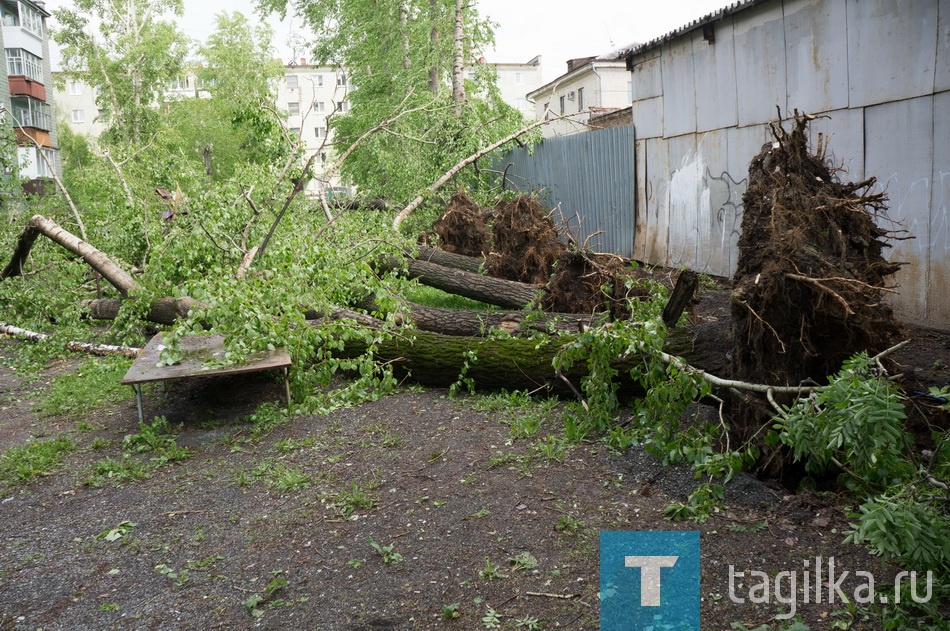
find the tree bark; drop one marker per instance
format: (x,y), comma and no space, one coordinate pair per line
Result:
(458,59)
(472,264)
(519,364)
(686,285)
(495,291)
(474,323)
(162,311)
(435,71)
(116,276)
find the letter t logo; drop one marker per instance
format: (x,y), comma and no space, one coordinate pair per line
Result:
(649,576)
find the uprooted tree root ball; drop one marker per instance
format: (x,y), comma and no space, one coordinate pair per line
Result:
(811,274)
(525,241)
(522,244)
(585,282)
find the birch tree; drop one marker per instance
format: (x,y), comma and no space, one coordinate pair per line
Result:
(125,49)
(426,50)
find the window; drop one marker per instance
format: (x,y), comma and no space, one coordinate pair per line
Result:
(341,80)
(319,106)
(293,107)
(178,84)
(44,168)
(79,116)
(31,20)
(563,108)
(580,99)
(318,80)
(24,63)
(295,132)
(30,112)
(522,104)
(519,78)
(75,88)
(320,132)
(292,82)
(343,106)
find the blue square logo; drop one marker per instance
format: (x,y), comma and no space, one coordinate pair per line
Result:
(649,580)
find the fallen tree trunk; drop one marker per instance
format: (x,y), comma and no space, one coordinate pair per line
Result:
(79,347)
(524,364)
(476,323)
(162,311)
(116,276)
(495,291)
(472,264)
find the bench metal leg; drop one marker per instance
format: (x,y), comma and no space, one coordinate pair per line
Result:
(138,400)
(287,386)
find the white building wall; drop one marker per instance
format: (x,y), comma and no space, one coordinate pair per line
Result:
(598,84)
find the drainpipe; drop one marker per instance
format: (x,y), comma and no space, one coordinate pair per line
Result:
(600,85)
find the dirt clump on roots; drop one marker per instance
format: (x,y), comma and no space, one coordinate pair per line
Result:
(525,241)
(464,228)
(585,282)
(811,274)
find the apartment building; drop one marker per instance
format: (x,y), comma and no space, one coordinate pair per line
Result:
(24,94)
(516,80)
(311,95)
(591,87)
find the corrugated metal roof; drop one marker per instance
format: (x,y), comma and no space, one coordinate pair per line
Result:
(735,7)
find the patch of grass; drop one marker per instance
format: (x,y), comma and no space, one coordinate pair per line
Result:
(432,297)
(37,458)
(280,476)
(551,448)
(490,571)
(117,472)
(389,555)
(155,438)
(523,561)
(289,445)
(568,524)
(355,498)
(93,384)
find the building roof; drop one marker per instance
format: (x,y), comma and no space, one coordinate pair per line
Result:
(710,18)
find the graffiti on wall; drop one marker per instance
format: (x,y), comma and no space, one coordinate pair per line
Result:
(705,213)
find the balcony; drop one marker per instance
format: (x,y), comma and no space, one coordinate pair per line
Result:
(30,112)
(21,86)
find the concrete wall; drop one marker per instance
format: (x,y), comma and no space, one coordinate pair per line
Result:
(880,69)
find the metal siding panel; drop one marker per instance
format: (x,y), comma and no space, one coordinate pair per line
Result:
(942,72)
(891,45)
(744,143)
(657,202)
(684,190)
(938,282)
(899,152)
(816,55)
(641,229)
(715,68)
(647,79)
(760,64)
(648,117)
(679,88)
(843,132)
(715,231)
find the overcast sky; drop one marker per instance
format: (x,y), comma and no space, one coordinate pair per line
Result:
(557,30)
